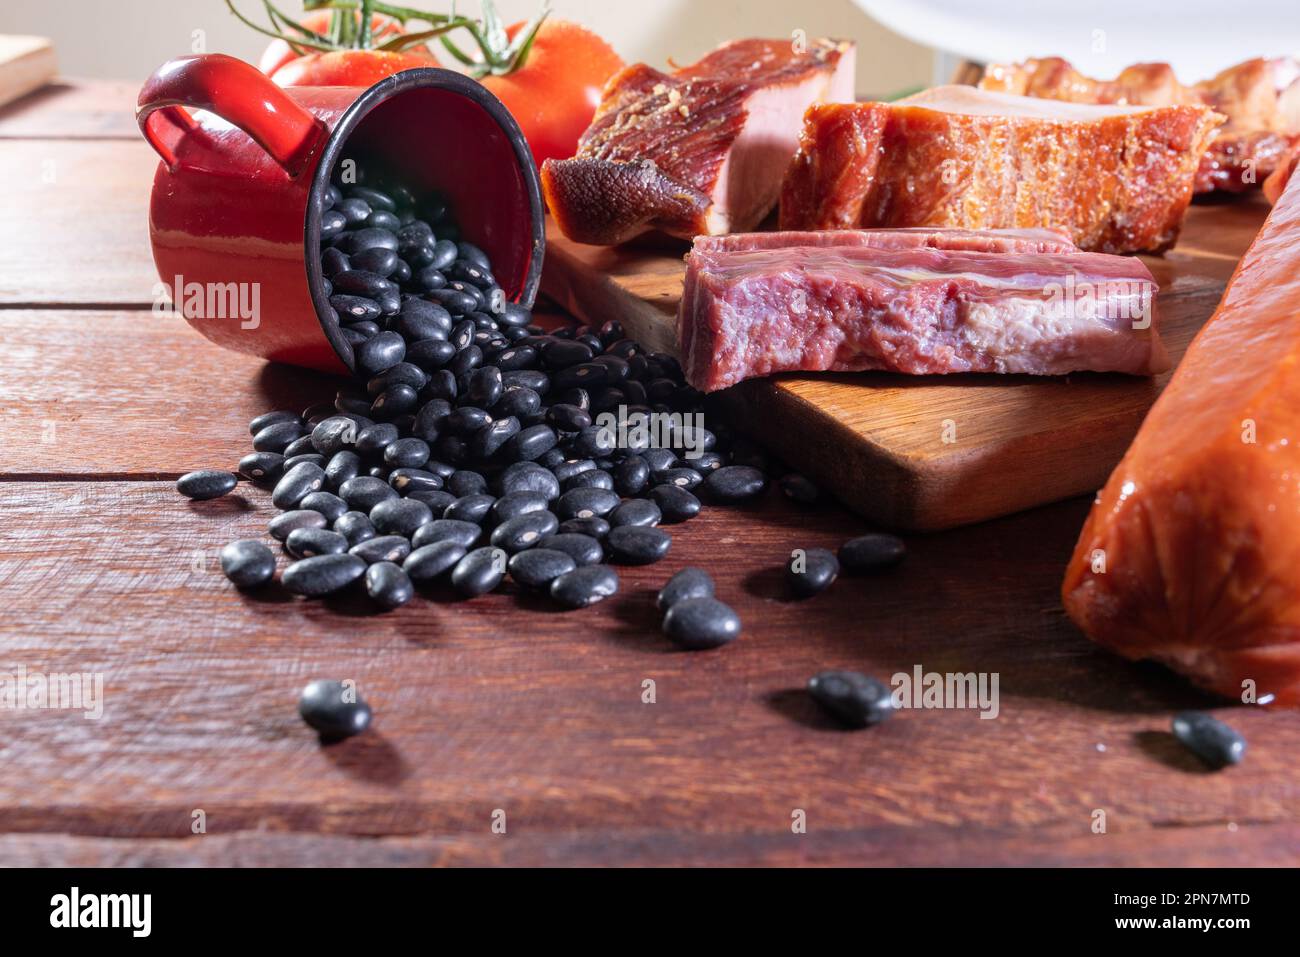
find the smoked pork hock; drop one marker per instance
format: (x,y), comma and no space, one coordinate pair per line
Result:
(1117,179)
(1189,555)
(699,150)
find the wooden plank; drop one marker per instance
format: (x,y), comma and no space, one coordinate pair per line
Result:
(73,109)
(77,231)
(26,64)
(131,393)
(119,394)
(1213,845)
(504,703)
(930,452)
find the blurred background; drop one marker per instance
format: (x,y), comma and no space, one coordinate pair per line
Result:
(127,39)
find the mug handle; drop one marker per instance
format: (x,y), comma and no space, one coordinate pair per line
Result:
(235,91)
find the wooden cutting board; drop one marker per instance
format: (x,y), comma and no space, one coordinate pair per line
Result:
(26,64)
(927,452)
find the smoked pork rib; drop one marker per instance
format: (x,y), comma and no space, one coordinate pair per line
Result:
(1260,99)
(700,150)
(1191,551)
(1117,179)
(918,310)
(972,240)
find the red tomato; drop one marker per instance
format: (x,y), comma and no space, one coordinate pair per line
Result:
(554,95)
(349,67)
(278,52)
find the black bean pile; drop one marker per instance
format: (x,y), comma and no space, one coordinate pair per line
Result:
(474,451)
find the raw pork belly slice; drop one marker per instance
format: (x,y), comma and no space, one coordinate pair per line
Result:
(1191,551)
(915,310)
(701,150)
(1116,178)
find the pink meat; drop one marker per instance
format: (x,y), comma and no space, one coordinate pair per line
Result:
(916,310)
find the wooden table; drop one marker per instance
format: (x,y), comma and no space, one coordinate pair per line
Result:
(501,703)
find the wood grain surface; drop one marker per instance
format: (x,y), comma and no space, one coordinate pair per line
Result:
(930,452)
(504,703)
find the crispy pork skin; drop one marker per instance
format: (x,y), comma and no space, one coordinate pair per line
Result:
(1116,178)
(1191,551)
(700,150)
(972,240)
(913,309)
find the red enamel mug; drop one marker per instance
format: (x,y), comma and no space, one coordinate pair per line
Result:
(245,165)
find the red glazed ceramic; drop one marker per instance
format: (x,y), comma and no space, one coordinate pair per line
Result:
(245,164)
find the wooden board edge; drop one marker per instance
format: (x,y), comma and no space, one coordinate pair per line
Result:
(26,64)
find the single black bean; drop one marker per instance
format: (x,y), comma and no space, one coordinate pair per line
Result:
(382,548)
(388,585)
(530,443)
(538,567)
(593,478)
(688,583)
(515,504)
(529,477)
(356,527)
(1214,742)
(373,439)
(637,544)
(306,542)
(856,700)
(492,438)
(586,503)
(274,418)
(296,484)
(479,571)
(334,709)
(327,503)
(583,549)
(354,309)
(276,437)
(811,570)
(365,492)
(517,402)
(635,511)
(248,563)
(524,531)
(870,553)
(343,466)
(206,484)
(408,453)
(688,479)
(699,623)
(659,459)
(584,586)
(408,480)
(400,516)
(676,504)
(354,210)
(322,574)
(735,483)
(397,399)
(463,533)
(283,524)
(434,559)
(377,260)
(334,434)
(631,476)
(430,354)
(315,458)
(470,508)
(380,353)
